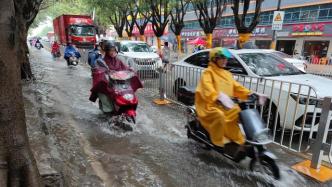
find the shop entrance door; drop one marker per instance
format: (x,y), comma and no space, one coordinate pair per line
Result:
(315,48)
(316,51)
(286,46)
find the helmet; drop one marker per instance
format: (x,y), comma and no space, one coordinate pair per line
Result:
(219,52)
(108,45)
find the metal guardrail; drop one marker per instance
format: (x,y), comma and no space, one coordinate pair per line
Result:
(320,70)
(320,145)
(291,112)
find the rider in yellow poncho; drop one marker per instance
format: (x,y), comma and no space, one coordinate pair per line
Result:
(215,84)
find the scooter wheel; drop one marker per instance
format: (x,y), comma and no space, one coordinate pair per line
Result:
(267,165)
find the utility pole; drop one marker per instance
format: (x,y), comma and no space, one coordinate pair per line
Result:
(274,35)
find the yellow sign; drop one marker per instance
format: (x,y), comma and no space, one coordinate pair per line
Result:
(307,33)
(278,17)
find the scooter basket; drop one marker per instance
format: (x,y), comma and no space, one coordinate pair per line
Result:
(253,125)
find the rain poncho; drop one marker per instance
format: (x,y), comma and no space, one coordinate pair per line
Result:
(70,51)
(219,122)
(115,64)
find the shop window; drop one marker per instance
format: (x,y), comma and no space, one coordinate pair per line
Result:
(295,16)
(325,6)
(330,13)
(304,15)
(288,17)
(315,49)
(313,15)
(323,13)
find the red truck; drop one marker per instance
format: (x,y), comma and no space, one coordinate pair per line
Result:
(77,29)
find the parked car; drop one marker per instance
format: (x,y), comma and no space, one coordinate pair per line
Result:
(139,56)
(251,65)
(154,49)
(298,63)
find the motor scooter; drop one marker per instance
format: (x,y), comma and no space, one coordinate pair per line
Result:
(116,94)
(255,133)
(72,60)
(38,45)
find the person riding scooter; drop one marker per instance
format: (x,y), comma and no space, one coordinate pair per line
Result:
(215,109)
(111,59)
(38,44)
(55,49)
(109,64)
(70,51)
(94,55)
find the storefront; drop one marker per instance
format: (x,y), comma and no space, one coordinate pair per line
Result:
(286,46)
(312,40)
(190,35)
(228,37)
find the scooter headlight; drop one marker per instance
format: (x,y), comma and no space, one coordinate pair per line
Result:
(128,97)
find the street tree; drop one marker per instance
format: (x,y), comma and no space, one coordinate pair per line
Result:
(160,12)
(179,9)
(131,18)
(113,11)
(118,17)
(209,13)
(143,17)
(240,20)
(17,164)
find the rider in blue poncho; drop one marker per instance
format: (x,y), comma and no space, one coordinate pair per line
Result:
(70,50)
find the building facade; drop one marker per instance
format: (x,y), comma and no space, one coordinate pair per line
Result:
(307,28)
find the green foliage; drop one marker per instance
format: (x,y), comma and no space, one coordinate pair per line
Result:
(45,30)
(54,8)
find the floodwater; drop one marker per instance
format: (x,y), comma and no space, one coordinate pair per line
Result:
(71,136)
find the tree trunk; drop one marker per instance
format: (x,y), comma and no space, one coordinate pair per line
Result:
(142,38)
(209,40)
(159,44)
(14,143)
(26,72)
(273,45)
(178,39)
(244,38)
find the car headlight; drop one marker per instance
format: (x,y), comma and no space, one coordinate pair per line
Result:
(304,99)
(128,97)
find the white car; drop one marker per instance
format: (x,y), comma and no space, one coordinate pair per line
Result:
(298,63)
(286,86)
(139,56)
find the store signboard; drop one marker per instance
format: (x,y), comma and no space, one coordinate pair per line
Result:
(258,31)
(192,33)
(308,29)
(278,19)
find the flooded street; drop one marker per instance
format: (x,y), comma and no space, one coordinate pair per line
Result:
(71,136)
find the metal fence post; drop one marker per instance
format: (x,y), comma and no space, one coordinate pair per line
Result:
(162,87)
(323,128)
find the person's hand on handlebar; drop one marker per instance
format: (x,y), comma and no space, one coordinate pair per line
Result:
(226,101)
(261,98)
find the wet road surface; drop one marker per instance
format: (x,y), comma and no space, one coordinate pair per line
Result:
(71,133)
